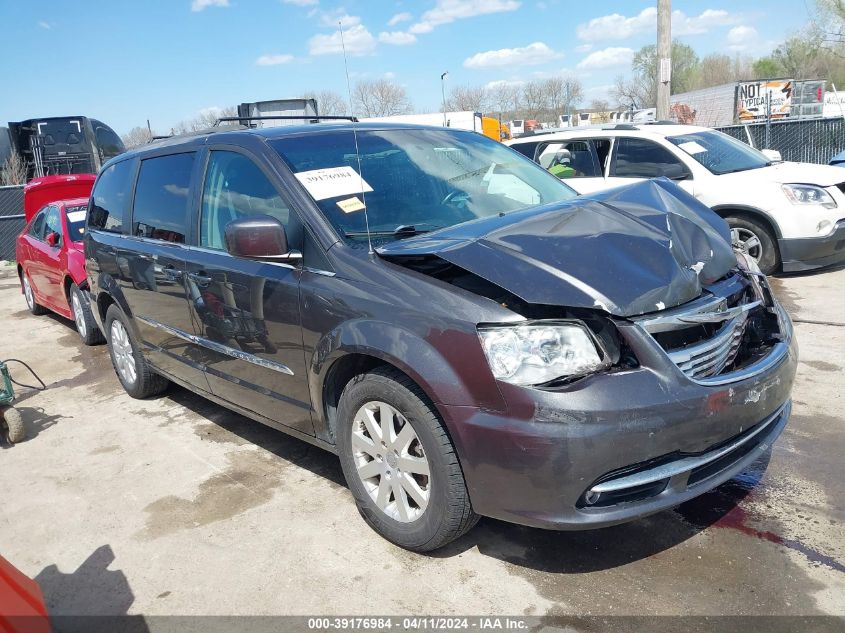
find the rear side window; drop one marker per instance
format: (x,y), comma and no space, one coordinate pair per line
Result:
(161,205)
(568,159)
(108,201)
(641,158)
(236,188)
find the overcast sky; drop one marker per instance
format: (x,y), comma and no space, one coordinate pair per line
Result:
(124,62)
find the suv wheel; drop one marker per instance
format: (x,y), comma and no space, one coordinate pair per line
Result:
(88,330)
(136,376)
(29,295)
(400,464)
(754,239)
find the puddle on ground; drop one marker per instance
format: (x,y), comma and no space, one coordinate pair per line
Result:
(248,482)
(822,365)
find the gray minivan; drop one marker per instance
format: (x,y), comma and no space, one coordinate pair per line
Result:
(468,335)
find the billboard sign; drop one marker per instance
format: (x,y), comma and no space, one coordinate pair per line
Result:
(755,99)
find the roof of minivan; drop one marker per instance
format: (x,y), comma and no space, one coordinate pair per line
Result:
(202,136)
(659,129)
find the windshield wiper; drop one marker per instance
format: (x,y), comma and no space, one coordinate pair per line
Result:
(403,230)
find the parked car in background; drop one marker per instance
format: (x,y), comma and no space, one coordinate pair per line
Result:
(51,265)
(468,335)
(787,216)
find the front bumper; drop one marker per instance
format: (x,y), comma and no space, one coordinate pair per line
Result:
(536,464)
(800,254)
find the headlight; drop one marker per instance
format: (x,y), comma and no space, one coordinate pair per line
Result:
(537,353)
(808,194)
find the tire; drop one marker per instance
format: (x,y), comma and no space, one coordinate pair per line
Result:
(29,296)
(447,513)
(132,369)
(747,229)
(86,326)
(15,430)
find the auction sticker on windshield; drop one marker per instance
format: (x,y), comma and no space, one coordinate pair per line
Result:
(691,147)
(332,182)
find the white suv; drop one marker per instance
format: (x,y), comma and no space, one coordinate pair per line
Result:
(787,216)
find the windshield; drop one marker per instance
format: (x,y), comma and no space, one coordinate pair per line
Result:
(720,153)
(414,181)
(76,222)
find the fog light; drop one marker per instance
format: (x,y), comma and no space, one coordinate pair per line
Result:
(823,226)
(591,497)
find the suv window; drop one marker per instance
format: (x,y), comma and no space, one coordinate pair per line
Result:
(108,201)
(161,197)
(235,187)
(526,149)
(642,158)
(36,229)
(568,159)
(53,221)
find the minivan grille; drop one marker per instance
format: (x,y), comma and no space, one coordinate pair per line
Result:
(732,325)
(710,357)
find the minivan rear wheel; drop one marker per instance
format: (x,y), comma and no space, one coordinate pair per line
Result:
(399,462)
(136,376)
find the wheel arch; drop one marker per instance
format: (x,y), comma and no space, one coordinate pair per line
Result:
(725,210)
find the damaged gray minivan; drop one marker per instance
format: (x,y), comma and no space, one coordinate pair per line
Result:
(466,334)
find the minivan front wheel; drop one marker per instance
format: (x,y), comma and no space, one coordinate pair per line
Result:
(136,376)
(399,462)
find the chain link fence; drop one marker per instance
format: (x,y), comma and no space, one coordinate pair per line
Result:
(11,219)
(806,141)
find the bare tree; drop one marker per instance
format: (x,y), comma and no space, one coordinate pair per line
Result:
(534,99)
(329,103)
(137,136)
(13,170)
(472,98)
(562,94)
(204,120)
(380,97)
(506,98)
(629,93)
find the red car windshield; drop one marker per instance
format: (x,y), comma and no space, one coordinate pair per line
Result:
(76,222)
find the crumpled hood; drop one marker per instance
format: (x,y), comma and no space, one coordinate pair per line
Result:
(627,251)
(801,173)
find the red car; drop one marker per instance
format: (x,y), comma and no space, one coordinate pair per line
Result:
(51,265)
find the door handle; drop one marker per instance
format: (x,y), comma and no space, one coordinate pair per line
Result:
(199,279)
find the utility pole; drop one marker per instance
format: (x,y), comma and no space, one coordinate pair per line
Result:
(443,91)
(664,58)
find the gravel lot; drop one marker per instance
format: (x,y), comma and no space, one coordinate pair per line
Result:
(176,506)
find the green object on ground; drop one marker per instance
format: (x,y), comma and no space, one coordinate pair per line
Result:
(7,393)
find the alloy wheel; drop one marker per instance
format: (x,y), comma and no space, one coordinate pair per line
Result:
(27,292)
(748,242)
(124,359)
(390,461)
(78,315)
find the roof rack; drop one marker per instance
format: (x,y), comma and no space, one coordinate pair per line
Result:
(665,122)
(621,126)
(286,117)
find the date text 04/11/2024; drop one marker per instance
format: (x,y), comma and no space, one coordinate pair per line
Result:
(419,623)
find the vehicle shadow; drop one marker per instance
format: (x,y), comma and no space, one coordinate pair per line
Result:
(596,550)
(91,598)
(292,450)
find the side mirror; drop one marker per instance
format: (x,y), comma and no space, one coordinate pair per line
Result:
(772,154)
(259,237)
(52,239)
